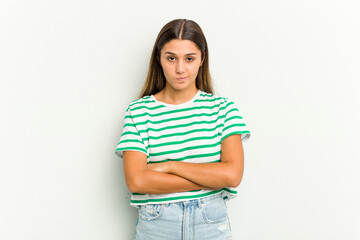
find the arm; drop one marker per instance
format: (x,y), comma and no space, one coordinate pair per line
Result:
(227,173)
(140,179)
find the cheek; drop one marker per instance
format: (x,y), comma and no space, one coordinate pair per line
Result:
(165,68)
(195,70)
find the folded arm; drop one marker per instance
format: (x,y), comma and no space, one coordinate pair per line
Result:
(141,179)
(227,173)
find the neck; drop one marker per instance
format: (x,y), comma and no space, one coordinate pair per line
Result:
(173,96)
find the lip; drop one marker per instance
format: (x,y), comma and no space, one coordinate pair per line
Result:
(181,78)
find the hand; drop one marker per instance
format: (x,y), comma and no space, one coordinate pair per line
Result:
(160,167)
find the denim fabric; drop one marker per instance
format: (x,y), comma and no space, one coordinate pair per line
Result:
(203,218)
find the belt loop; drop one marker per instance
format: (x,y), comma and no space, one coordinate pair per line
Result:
(199,203)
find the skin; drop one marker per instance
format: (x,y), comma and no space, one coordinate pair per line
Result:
(180,60)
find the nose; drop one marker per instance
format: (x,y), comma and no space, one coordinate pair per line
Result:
(180,67)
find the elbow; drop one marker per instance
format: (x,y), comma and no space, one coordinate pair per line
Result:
(234,180)
(133,185)
(235,175)
(137,182)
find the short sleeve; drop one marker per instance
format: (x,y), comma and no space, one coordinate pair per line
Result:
(234,122)
(130,139)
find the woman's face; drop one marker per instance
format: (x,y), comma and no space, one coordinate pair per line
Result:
(180,61)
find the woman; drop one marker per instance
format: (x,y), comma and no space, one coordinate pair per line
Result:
(181,145)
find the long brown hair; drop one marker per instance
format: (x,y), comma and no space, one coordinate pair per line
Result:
(182,29)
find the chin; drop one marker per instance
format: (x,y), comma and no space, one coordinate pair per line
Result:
(180,88)
(183,86)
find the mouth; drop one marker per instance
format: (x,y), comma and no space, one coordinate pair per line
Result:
(181,79)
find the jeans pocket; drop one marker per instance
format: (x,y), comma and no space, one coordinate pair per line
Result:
(214,211)
(150,212)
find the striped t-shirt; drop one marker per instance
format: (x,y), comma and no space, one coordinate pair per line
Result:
(189,132)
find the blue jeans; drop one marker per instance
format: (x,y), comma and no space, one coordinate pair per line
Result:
(203,218)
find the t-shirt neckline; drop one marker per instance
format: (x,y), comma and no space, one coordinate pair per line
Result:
(177,105)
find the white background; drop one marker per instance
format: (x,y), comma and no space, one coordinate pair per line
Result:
(69,68)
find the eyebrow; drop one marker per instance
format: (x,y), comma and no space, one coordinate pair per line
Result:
(185,54)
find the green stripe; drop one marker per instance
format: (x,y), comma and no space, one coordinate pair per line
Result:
(129,125)
(135,103)
(131,133)
(231,110)
(185,133)
(232,133)
(178,126)
(180,118)
(206,94)
(185,141)
(146,107)
(209,99)
(182,197)
(179,110)
(234,125)
(230,191)
(184,149)
(182,134)
(175,198)
(188,157)
(131,148)
(167,160)
(130,140)
(214,161)
(233,117)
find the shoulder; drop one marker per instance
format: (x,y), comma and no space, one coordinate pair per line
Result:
(140,103)
(214,98)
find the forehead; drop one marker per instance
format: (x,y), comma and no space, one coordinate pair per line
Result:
(180,47)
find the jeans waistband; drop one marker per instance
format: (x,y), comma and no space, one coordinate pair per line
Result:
(196,202)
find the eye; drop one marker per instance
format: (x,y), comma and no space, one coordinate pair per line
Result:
(171,58)
(190,59)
